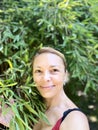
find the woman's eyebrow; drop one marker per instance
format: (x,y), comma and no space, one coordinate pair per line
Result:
(37,67)
(54,65)
(51,66)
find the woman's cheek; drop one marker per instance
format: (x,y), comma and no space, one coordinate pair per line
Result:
(37,81)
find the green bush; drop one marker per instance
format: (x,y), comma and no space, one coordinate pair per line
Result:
(25,26)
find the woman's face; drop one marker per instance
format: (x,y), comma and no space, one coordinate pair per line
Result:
(49,74)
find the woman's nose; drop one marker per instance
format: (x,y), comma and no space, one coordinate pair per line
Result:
(47,76)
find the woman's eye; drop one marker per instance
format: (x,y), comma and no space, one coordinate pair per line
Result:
(55,70)
(38,71)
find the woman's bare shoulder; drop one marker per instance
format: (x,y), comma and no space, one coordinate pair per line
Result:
(75,120)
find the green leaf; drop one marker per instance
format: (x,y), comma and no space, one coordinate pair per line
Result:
(31,109)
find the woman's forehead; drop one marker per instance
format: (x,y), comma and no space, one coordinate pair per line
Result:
(48,58)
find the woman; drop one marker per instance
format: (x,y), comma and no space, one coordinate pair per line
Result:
(50,75)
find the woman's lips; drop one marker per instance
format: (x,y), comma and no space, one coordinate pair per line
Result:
(47,87)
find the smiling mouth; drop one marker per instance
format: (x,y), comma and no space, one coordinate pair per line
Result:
(47,87)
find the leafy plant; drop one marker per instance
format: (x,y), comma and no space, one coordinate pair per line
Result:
(67,25)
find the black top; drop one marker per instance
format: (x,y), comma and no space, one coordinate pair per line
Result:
(68,111)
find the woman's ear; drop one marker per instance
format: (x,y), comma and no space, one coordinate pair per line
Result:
(66,79)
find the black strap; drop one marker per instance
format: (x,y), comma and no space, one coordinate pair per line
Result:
(68,111)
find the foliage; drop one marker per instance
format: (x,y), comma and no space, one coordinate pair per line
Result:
(67,25)
(94,8)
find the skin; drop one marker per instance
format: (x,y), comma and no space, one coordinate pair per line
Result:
(6,118)
(49,76)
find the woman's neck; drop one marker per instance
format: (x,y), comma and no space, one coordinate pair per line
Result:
(56,100)
(59,101)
